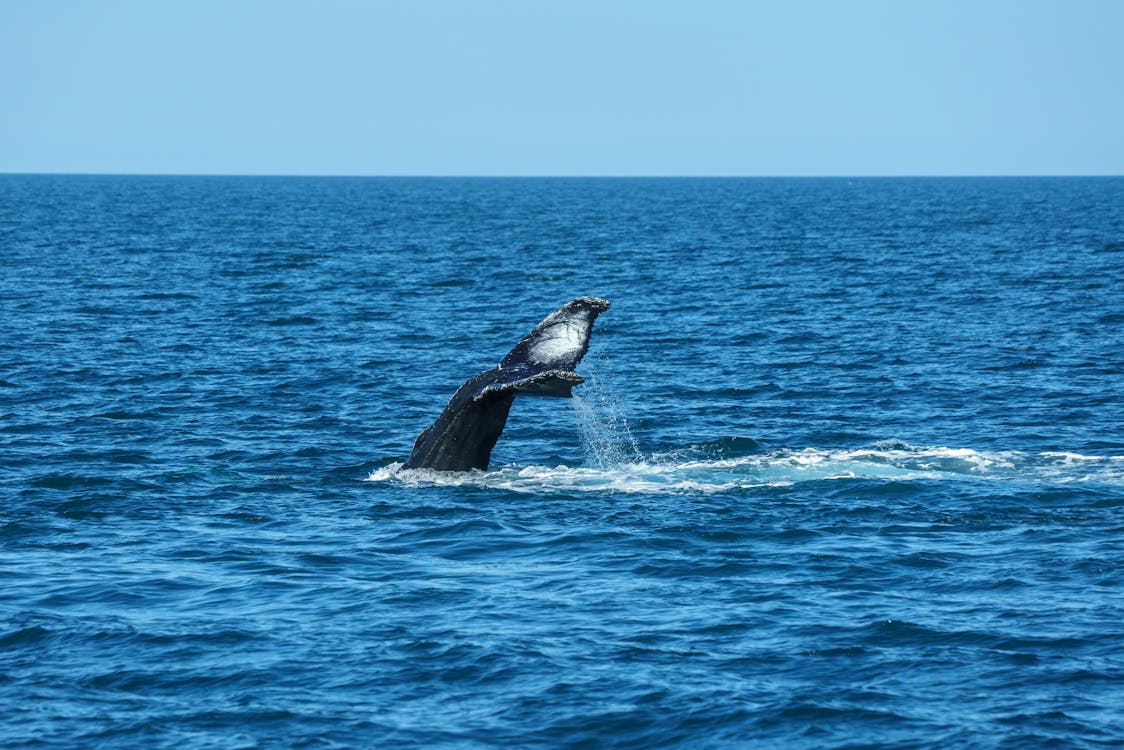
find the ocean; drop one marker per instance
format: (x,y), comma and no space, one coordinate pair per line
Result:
(847,469)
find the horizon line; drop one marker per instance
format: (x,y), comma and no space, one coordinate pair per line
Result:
(466,175)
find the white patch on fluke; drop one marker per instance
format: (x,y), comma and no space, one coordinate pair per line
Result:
(557,342)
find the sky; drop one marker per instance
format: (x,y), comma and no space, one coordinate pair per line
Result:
(562,87)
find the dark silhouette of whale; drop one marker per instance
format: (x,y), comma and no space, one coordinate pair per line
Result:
(541,364)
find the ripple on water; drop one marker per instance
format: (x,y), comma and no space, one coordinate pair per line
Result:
(846,469)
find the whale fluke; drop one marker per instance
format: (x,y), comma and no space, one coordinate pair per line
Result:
(541,364)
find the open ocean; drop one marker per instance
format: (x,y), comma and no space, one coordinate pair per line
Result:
(847,471)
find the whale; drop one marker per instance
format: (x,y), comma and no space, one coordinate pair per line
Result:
(541,364)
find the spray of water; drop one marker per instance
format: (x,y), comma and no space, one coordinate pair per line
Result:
(606,437)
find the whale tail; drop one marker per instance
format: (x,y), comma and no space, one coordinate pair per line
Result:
(560,341)
(541,364)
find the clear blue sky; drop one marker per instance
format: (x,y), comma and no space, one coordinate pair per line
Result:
(628,87)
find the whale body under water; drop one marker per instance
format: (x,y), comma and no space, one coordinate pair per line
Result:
(541,364)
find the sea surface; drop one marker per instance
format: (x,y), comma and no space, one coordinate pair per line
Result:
(847,470)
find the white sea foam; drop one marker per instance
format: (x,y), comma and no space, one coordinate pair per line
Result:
(686,475)
(1072,458)
(627,479)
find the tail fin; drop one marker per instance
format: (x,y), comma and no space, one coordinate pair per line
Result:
(560,341)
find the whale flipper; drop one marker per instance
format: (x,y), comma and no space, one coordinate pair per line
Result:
(541,364)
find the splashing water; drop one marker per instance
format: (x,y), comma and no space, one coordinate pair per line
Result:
(606,437)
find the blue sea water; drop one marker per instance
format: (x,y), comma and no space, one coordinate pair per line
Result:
(847,470)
